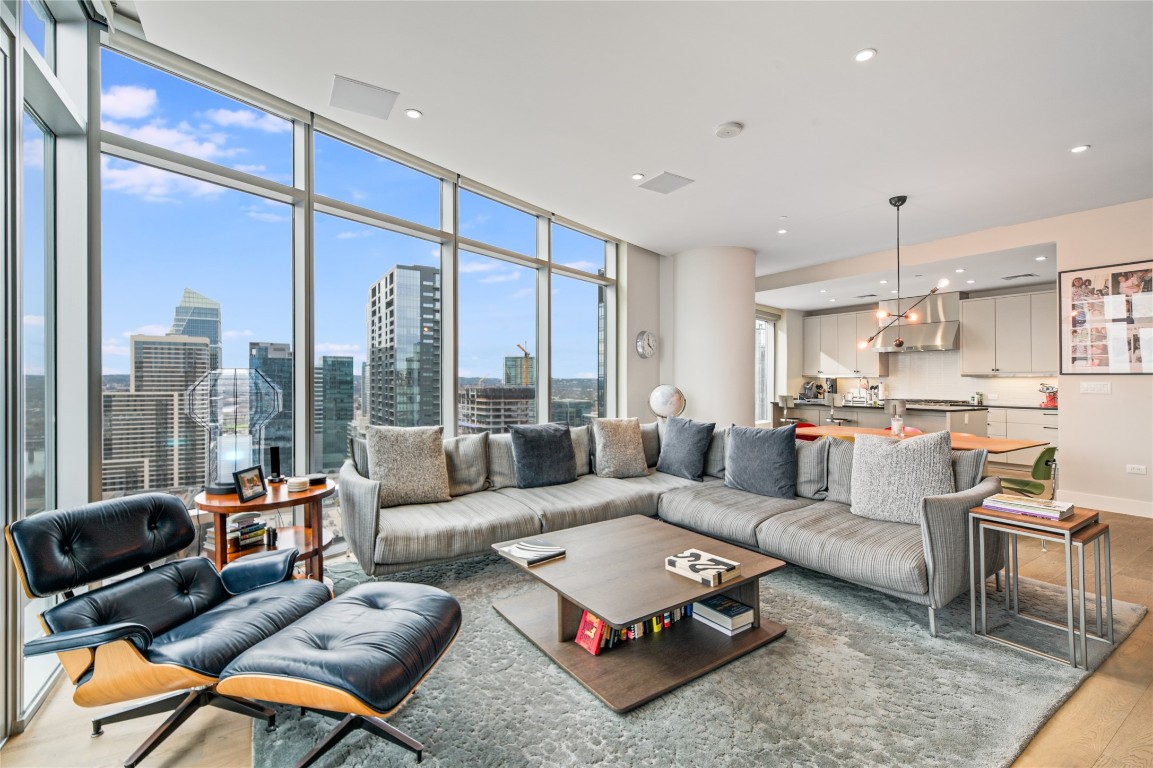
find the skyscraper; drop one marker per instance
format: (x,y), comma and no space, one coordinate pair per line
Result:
(520,371)
(494,409)
(198,315)
(403,373)
(275,361)
(332,413)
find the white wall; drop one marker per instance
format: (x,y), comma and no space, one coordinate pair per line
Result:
(707,330)
(639,308)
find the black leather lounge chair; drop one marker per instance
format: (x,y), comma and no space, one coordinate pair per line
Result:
(169,628)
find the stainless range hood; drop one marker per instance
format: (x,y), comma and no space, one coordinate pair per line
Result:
(936,329)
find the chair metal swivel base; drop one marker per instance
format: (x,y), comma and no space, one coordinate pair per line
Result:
(182,705)
(351,723)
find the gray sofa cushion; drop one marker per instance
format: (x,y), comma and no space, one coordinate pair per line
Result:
(581,449)
(762,461)
(826,537)
(358,452)
(651,439)
(467,459)
(967,467)
(543,455)
(619,448)
(891,476)
(813,469)
(409,463)
(590,499)
(683,447)
(715,456)
(717,510)
(501,467)
(840,470)
(464,526)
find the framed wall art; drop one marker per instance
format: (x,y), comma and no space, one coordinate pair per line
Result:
(1107,319)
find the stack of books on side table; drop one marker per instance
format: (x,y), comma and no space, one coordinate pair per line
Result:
(244,530)
(723,614)
(700,566)
(1026,505)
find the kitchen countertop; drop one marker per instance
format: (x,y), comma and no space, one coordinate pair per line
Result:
(941,408)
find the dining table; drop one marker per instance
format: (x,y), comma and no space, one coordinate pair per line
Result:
(960,441)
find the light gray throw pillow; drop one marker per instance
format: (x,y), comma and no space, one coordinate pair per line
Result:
(715,455)
(467,459)
(813,469)
(501,465)
(840,462)
(409,464)
(891,477)
(581,447)
(620,450)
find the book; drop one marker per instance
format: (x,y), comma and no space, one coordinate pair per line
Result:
(709,570)
(590,633)
(723,610)
(531,552)
(719,628)
(1024,505)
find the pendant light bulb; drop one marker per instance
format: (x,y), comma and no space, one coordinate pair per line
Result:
(943,282)
(862,345)
(882,314)
(911,317)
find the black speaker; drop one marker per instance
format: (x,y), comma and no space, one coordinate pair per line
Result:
(274,463)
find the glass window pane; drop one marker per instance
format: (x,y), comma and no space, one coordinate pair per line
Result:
(196,278)
(765,368)
(578,351)
(40,28)
(577,250)
(357,176)
(497,224)
(496,387)
(153,106)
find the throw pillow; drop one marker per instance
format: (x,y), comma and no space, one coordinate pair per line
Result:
(581,447)
(683,448)
(813,469)
(651,439)
(840,470)
(501,467)
(620,450)
(762,461)
(891,477)
(715,455)
(467,459)
(543,455)
(967,467)
(409,464)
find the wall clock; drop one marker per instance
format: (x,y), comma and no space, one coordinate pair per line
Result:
(646,344)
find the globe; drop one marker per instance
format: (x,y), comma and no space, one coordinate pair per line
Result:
(666,400)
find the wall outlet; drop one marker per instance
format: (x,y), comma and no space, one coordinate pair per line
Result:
(1096,388)
(993,396)
(1135,469)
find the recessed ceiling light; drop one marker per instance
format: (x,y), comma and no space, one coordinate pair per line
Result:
(970,282)
(638,176)
(823,291)
(415,114)
(892,291)
(866,54)
(1040,258)
(832,299)
(958,271)
(1080,148)
(782,218)
(782,231)
(884,282)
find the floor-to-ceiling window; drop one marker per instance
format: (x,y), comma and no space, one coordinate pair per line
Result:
(764,339)
(579,320)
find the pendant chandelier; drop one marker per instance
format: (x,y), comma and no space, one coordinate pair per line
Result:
(908,314)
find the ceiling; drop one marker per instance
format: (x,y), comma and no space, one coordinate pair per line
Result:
(968,108)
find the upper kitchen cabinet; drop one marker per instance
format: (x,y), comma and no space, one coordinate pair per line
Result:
(1009,335)
(830,346)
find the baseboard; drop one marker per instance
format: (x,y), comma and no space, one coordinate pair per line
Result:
(1134,507)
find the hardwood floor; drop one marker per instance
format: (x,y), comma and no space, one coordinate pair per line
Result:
(1107,723)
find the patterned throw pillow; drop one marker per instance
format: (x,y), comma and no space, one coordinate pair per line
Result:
(543,454)
(409,463)
(891,477)
(762,461)
(582,449)
(620,451)
(467,458)
(683,447)
(501,466)
(813,468)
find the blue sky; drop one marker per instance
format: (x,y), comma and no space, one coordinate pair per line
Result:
(163,232)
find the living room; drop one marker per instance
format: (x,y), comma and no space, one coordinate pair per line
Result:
(562,178)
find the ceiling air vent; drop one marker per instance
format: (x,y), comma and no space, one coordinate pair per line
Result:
(866,296)
(665,182)
(362,98)
(1020,277)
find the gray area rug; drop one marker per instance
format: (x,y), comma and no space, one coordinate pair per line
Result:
(857,680)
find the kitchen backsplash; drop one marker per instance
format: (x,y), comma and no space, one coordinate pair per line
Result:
(937,375)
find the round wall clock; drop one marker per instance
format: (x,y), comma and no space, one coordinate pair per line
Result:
(646,344)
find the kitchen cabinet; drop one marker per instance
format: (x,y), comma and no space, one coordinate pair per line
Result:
(870,362)
(1009,335)
(811,346)
(1023,424)
(829,346)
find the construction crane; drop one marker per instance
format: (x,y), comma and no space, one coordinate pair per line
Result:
(526,378)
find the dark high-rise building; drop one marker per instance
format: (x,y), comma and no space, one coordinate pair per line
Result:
(198,315)
(402,386)
(275,362)
(332,413)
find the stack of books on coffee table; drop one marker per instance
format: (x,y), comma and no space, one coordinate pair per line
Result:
(724,614)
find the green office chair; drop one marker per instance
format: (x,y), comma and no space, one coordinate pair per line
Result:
(1044,468)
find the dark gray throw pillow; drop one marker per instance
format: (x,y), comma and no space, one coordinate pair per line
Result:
(683,448)
(543,455)
(762,461)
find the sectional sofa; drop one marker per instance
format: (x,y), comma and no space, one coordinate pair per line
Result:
(925,563)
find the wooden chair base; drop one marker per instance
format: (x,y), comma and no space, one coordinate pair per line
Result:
(350,723)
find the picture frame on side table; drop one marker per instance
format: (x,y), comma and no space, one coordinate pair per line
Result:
(250,484)
(1106,316)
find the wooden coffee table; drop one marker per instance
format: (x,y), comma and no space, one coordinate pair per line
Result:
(615,569)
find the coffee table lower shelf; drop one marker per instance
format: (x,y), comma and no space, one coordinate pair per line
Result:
(640,670)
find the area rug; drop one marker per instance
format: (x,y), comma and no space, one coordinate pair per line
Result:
(856,681)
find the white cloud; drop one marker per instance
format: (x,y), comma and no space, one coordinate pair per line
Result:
(357,194)
(331,348)
(469,267)
(114,347)
(182,139)
(251,168)
(474,222)
(34,152)
(248,118)
(583,266)
(523,293)
(33,321)
(254,212)
(127,102)
(152,184)
(353,234)
(236,334)
(146,330)
(503,277)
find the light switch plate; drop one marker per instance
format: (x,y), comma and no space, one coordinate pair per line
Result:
(1096,388)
